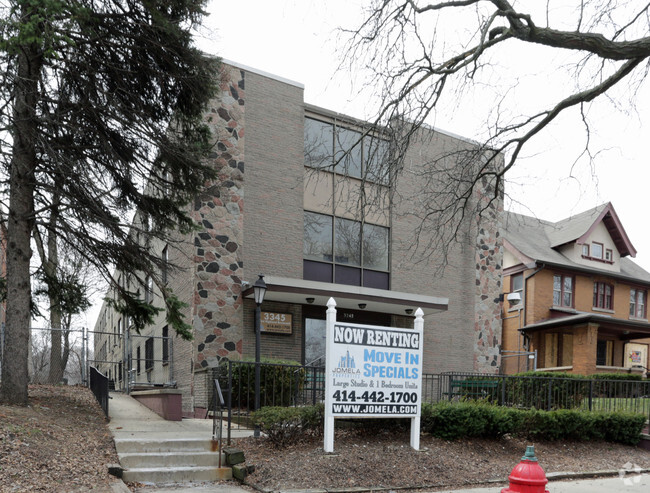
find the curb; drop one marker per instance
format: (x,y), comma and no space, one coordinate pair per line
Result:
(552,476)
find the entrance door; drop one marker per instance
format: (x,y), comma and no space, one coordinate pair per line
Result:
(315,341)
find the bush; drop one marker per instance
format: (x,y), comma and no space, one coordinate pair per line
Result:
(451,421)
(284,425)
(617,376)
(280,382)
(546,390)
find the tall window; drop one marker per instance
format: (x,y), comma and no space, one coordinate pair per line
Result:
(148,290)
(343,150)
(148,354)
(637,303)
(345,251)
(165,259)
(137,360)
(562,290)
(603,294)
(165,345)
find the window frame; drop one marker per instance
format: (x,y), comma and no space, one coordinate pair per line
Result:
(345,268)
(148,354)
(601,295)
(609,255)
(513,289)
(165,260)
(148,290)
(634,303)
(165,345)
(602,250)
(366,148)
(562,290)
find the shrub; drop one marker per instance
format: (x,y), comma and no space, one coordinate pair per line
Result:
(281,425)
(622,427)
(451,421)
(474,419)
(546,390)
(280,381)
(313,418)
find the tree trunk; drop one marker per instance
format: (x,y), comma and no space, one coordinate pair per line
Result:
(51,265)
(15,377)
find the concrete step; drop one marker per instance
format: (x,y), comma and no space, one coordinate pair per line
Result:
(151,445)
(176,474)
(170,459)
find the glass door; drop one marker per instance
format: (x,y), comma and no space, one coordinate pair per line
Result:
(314,342)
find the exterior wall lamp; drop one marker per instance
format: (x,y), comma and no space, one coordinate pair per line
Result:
(259,290)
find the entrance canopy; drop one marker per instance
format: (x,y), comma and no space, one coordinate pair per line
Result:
(299,291)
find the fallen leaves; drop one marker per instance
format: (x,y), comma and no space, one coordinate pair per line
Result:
(60,442)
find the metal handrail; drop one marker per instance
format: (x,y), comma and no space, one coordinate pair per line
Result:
(219,404)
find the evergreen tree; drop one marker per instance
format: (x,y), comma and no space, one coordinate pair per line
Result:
(102,106)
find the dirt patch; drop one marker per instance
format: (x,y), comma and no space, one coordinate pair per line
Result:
(60,442)
(363,459)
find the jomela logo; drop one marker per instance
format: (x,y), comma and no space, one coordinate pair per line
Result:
(346,367)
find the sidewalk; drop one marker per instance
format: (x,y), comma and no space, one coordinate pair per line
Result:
(632,484)
(130,419)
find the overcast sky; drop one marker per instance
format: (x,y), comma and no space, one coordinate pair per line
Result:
(298,40)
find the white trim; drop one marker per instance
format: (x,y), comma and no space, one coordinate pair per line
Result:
(262,73)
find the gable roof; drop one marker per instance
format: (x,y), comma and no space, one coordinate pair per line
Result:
(579,227)
(535,240)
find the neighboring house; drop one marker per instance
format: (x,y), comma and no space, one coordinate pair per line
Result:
(282,208)
(583,301)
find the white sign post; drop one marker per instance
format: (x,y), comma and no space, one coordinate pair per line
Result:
(372,372)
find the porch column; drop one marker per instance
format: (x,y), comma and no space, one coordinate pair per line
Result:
(585,339)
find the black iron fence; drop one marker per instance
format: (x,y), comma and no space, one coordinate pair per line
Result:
(289,385)
(543,392)
(99,387)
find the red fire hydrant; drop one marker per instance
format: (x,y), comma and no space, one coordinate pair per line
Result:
(527,476)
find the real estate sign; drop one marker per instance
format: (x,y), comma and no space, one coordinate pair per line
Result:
(372,371)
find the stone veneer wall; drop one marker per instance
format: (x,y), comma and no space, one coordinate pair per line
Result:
(489,266)
(218,261)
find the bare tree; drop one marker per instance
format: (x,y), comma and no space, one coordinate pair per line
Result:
(423,55)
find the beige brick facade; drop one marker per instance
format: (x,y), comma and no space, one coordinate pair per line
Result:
(252,222)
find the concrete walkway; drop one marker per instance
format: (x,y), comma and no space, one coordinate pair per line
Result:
(130,420)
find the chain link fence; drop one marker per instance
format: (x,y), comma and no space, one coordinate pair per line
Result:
(129,361)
